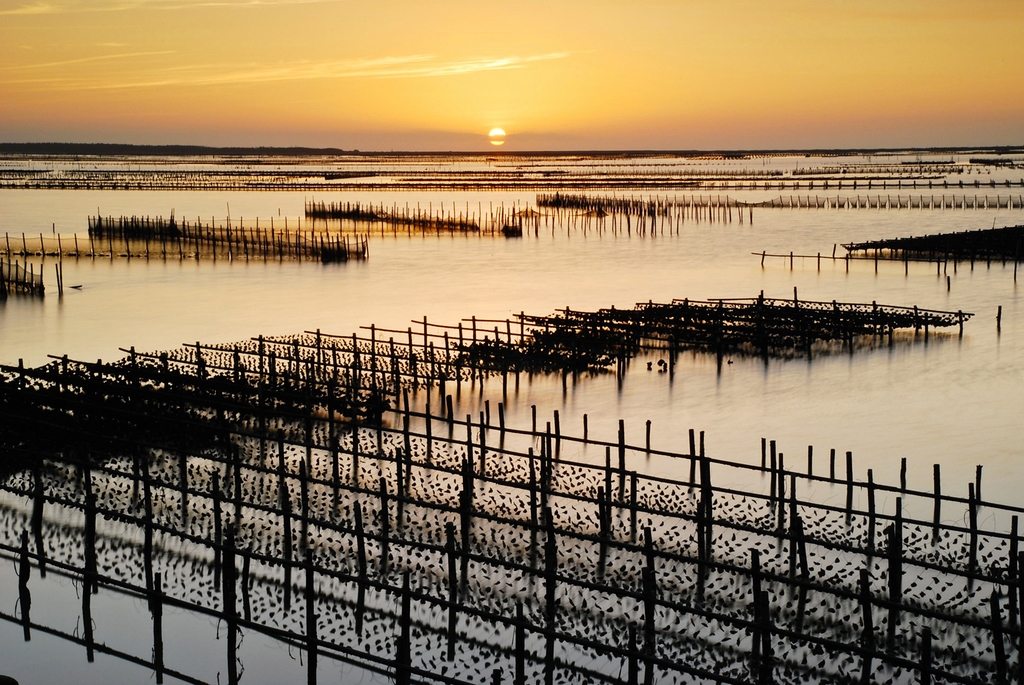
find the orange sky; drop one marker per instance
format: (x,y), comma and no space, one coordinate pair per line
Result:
(572,74)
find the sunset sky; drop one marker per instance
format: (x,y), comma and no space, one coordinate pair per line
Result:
(572,74)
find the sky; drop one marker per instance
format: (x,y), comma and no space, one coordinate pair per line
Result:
(555,75)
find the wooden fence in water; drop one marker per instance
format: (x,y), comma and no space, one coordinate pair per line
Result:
(232,481)
(418,219)
(495,220)
(17,279)
(661,214)
(665,205)
(511,176)
(167,238)
(158,238)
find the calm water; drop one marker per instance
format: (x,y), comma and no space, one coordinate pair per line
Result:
(954,401)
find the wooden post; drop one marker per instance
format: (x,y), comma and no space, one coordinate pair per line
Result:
(849,485)
(533,490)
(1020,598)
(403,656)
(246,606)
(972,511)
(1014,572)
(867,637)
(926,656)
(89,585)
(24,596)
(311,637)
(466,513)
(550,594)
(360,543)
(650,590)
(622,445)
(215,496)
(520,645)
(765,674)
(871,511)
(693,458)
(997,637)
(38,501)
(385,527)
(285,503)
(632,506)
(147,524)
(230,608)
(453,587)
(156,609)
(183,483)
(755,580)
(895,553)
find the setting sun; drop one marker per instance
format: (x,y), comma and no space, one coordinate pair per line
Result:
(497,136)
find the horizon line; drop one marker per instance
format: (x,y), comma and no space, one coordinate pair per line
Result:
(187,150)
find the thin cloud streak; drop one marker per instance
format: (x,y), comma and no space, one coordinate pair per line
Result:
(80,60)
(37,8)
(34,8)
(409,66)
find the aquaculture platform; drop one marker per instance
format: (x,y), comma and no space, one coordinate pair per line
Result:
(998,244)
(285,479)
(769,327)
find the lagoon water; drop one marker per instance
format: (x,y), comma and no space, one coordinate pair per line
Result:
(954,401)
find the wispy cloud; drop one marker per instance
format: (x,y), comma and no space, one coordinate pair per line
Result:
(405,66)
(27,8)
(82,60)
(68,6)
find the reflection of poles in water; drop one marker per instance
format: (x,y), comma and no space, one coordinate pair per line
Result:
(246,607)
(286,556)
(183,482)
(361,567)
(650,592)
(550,596)
(453,587)
(311,639)
(563,514)
(303,507)
(24,596)
(38,500)
(403,657)
(90,585)
(156,608)
(217,534)
(230,606)
(385,528)
(147,526)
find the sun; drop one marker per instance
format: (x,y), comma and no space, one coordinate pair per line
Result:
(497,136)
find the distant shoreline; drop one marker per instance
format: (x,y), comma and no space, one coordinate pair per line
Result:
(123,150)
